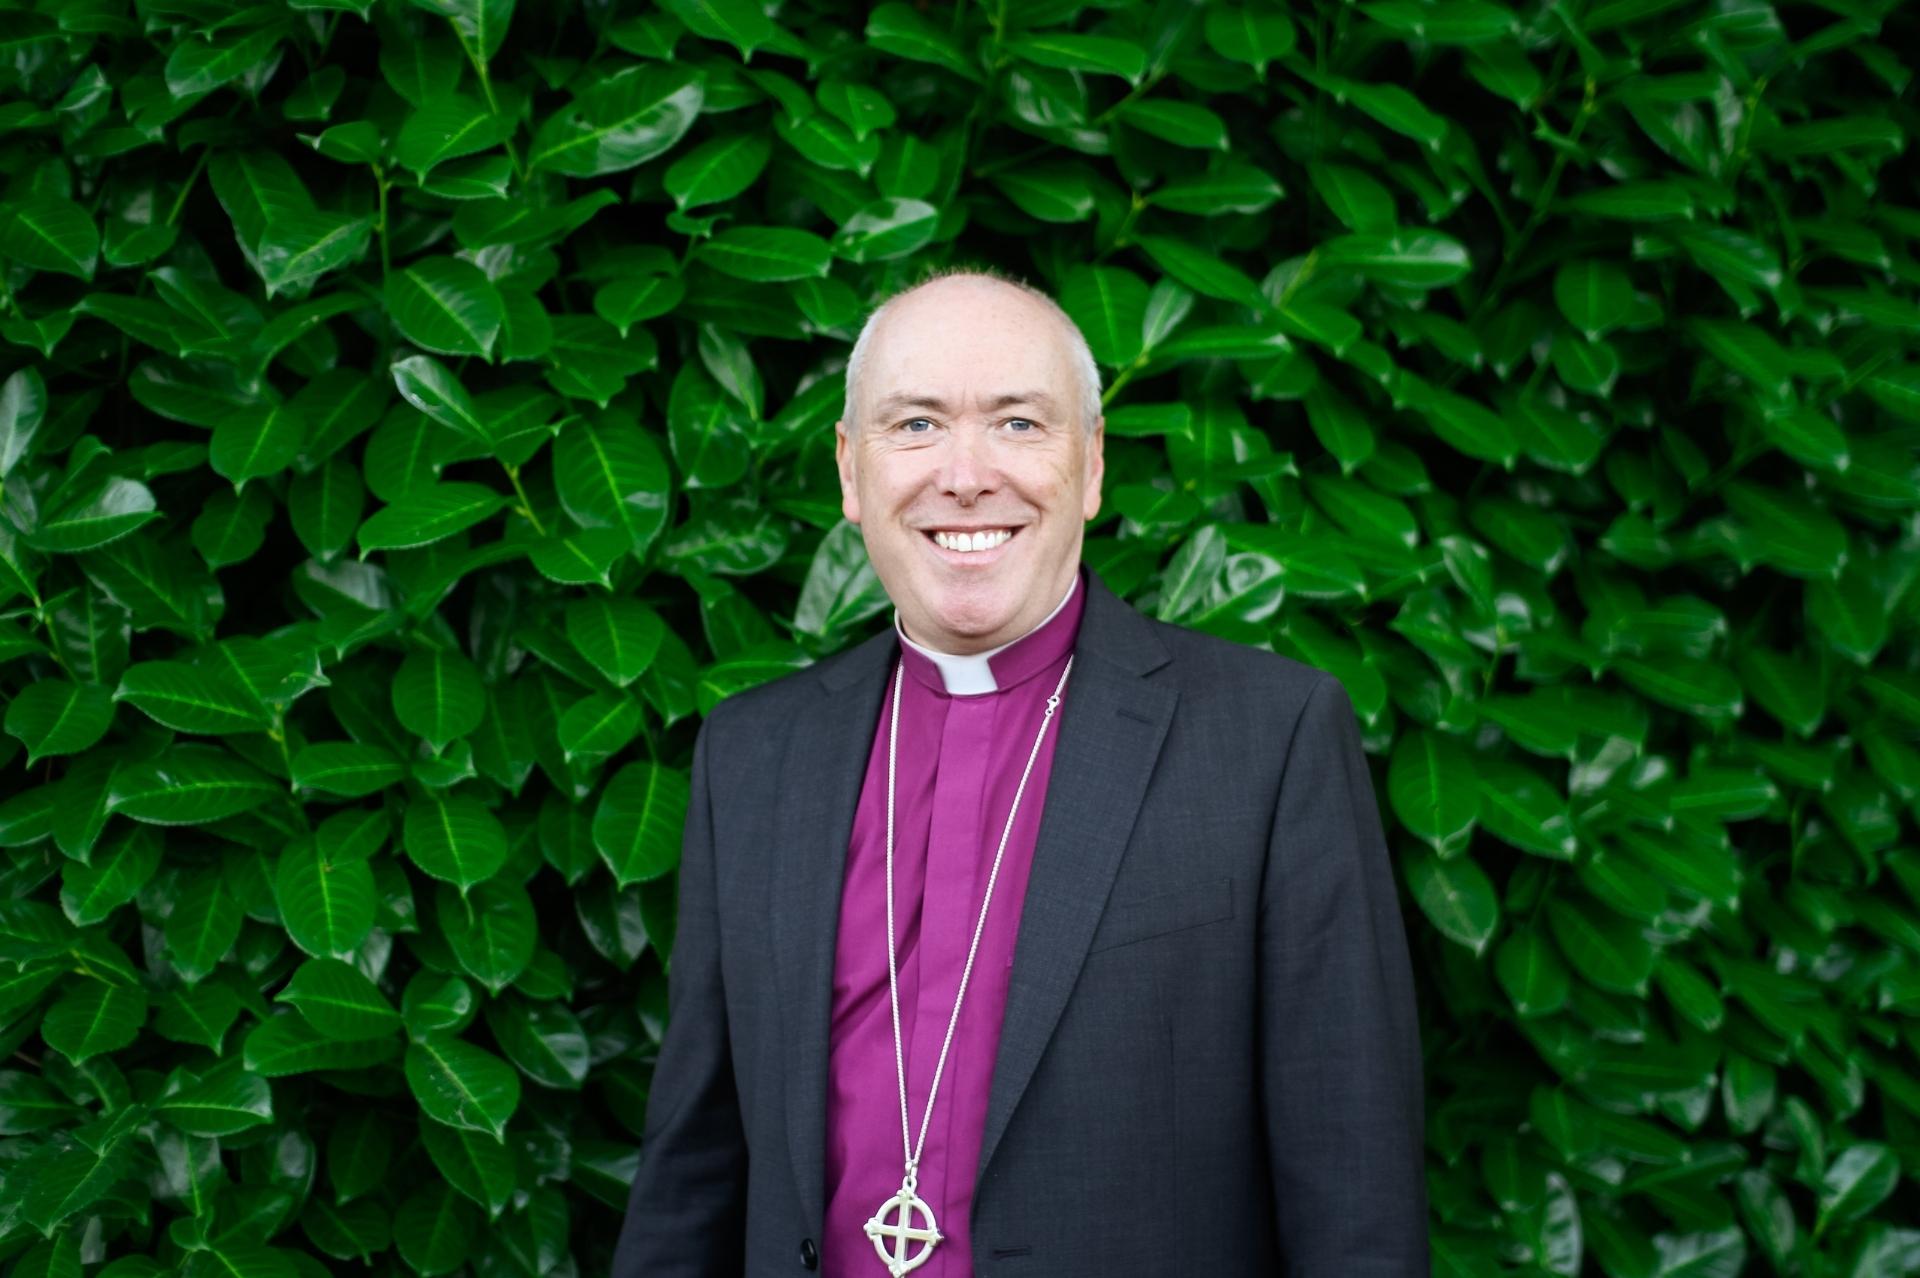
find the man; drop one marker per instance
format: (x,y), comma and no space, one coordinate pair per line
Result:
(1030,936)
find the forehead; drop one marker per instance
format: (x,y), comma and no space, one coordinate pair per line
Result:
(968,339)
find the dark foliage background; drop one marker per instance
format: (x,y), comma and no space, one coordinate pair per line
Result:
(415,417)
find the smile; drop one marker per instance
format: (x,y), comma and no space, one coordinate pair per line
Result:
(978,547)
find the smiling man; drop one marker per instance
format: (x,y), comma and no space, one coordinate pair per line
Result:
(1031,935)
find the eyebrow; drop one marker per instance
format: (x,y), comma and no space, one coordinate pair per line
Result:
(901,399)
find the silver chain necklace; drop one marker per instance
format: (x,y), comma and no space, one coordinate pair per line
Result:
(895,1220)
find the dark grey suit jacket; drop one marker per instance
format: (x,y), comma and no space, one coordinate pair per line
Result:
(1210,1062)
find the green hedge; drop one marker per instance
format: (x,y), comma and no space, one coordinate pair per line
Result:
(415,418)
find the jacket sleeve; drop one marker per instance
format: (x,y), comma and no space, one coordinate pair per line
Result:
(686,1211)
(1340,1070)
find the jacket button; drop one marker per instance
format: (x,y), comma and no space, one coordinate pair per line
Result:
(809,1254)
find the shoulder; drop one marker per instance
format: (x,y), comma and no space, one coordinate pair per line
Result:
(1209,665)
(1244,705)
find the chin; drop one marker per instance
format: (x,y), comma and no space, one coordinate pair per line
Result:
(973,612)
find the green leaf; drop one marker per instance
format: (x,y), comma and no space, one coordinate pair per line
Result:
(740,23)
(429,514)
(1862,1177)
(202,927)
(1103,54)
(455,840)
(473,1163)
(1430,784)
(718,169)
(1407,259)
(638,824)
(101,515)
(1354,197)
(1594,295)
(491,930)
(1604,947)
(1181,123)
(286,1044)
(1532,973)
(431,387)
(1109,306)
(339,1001)
(359,1150)
(54,716)
(347,1231)
(900,29)
(347,768)
(49,233)
(462,1085)
(224,1102)
(202,65)
(766,254)
(625,303)
(189,785)
(92,890)
(434,1229)
(598,725)
(23,406)
(623,121)
(445,127)
(445,305)
(298,247)
(885,230)
(842,589)
(1201,270)
(327,904)
(611,474)
(201,1015)
(1228,186)
(1396,108)
(94,1018)
(618,635)
(187,698)
(1242,33)
(437,694)
(1456,896)
(546,1041)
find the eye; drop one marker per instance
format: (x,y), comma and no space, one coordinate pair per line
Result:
(911,420)
(1028,421)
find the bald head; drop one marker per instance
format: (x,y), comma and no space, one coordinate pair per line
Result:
(946,302)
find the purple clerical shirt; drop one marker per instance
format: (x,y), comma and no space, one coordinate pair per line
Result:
(967,723)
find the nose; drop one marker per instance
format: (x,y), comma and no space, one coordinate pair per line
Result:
(966,466)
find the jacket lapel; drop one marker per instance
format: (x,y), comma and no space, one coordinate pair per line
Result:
(1112,723)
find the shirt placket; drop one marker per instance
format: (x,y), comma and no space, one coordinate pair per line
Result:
(949,912)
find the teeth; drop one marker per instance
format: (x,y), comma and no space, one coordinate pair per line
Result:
(972,541)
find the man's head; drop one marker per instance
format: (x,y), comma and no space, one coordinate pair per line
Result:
(972,404)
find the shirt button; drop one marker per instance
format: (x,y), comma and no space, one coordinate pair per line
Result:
(809,1255)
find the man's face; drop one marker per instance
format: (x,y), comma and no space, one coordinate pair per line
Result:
(969,421)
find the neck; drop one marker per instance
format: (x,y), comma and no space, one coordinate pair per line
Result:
(966,672)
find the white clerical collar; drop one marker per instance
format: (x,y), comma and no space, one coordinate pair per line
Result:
(968,672)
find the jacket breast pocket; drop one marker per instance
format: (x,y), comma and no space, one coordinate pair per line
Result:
(1195,905)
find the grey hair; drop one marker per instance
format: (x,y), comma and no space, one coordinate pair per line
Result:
(1079,355)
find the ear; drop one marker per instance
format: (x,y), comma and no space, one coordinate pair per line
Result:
(843,459)
(1096,469)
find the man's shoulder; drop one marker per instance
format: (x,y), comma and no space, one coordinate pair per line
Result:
(1229,667)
